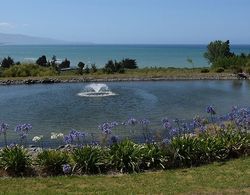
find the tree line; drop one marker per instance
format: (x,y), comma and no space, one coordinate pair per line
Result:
(220,56)
(52,67)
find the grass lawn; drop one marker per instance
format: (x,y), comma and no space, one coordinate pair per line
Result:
(232,177)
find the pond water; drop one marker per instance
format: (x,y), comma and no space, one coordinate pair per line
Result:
(60,108)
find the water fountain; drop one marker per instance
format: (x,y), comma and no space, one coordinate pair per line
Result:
(96,90)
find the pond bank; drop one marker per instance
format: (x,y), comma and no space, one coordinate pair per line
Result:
(115,78)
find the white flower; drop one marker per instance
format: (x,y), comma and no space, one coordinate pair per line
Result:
(60,135)
(53,135)
(37,138)
(56,135)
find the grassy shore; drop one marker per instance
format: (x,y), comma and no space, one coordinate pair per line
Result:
(232,177)
(137,74)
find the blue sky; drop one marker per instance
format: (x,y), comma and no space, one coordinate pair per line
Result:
(129,21)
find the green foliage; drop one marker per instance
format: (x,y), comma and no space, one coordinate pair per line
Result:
(26,70)
(219,55)
(126,156)
(87,70)
(230,62)
(52,161)
(90,159)
(205,70)
(219,70)
(64,64)
(190,150)
(119,67)
(248,70)
(80,67)
(128,63)
(93,68)
(152,157)
(42,61)
(217,49)
(110,67)
(7,62)
(14,160)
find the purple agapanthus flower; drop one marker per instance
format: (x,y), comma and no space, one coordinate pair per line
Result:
(211,110)
(132,121)
(106,128)
(66,168)
(23,130)
(167,125)
(144,122)
(3,128)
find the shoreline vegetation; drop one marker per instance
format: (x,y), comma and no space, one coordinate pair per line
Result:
(149,74)
(223,65)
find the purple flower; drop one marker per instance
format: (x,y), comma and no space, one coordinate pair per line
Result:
(173,132)
(132,121)
(176,120)
(3,128)
(68,139)
(23,130)
(114,139)
(166,141)
(76,135)
(144,122)
(164,120)
(114,124)
(106,128)
(12,145)
(211,110)
(167,125)
(66,168)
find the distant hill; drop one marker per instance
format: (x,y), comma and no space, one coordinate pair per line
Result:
(18,39)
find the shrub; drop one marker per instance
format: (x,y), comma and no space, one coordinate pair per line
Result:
(129,63)
(219,70)
(204,70)
(222,144)
(42,61)
(90,159)
(7,62)
(93,68)
(52,161)
(126,156)
(15,160)
(248,70)
(153,157)
(26,70)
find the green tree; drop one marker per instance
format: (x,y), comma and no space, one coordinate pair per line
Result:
(42,61)
(129,63)
(87,70)
(218,49)
(80,67)
(64,64)
(109,67)
(93,68)
(7,62)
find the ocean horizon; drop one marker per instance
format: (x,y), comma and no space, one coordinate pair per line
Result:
(146,55)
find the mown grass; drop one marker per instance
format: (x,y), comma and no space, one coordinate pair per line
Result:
(232,177)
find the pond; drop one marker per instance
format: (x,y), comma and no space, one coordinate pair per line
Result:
(62,107)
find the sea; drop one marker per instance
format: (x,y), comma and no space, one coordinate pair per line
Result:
(145,55)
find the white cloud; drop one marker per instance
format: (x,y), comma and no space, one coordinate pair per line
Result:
(4,25)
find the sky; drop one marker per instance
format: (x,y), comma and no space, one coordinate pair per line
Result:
(129,21)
